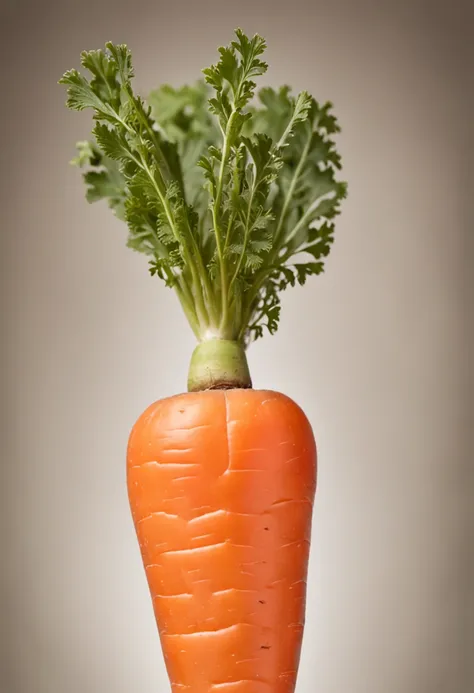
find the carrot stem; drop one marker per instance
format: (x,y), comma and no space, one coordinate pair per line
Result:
(218,364)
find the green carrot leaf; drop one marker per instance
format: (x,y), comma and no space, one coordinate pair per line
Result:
(230,192)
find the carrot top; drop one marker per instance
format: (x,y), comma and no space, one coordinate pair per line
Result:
(223,194)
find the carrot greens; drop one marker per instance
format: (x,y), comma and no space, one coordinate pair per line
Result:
(232,194)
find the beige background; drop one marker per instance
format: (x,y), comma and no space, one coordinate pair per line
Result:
(375,351)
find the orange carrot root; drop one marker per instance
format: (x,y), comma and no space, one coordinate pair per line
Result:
(221,487)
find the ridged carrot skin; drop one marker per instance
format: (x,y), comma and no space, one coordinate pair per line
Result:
(221,487)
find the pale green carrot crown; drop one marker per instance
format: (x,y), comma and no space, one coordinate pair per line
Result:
(221,194)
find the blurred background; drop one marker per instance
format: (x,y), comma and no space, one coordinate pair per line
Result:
(376,351)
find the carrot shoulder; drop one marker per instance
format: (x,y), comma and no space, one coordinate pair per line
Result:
(221,486)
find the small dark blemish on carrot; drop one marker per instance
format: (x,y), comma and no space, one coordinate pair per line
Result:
(265,647)
(260,601)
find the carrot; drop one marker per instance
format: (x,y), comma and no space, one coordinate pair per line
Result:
(221,486)
(221,480)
